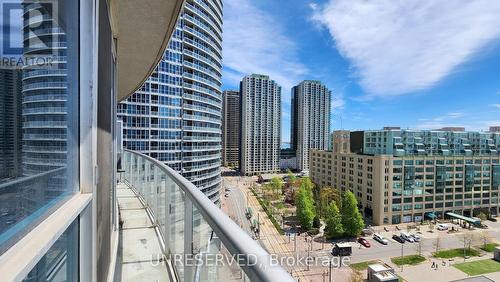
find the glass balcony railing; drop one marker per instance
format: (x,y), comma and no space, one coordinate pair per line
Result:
(26,201)
(192,226)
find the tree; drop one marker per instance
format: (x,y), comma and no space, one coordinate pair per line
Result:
(419,247)
(304,204)
(326,195)
(485,238)
(316,222)
(291,176)
(482,216)
(352,220)
(334,226)
(437,245)
(466,239)
(268,189)
(276,185)
(431,227)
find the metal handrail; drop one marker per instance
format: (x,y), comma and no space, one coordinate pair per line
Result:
(22,180)
(235,239)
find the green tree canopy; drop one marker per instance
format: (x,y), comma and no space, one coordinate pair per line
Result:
(334,226)
(326,195)
(352,220)
(304,204)
(276,185)
(291,176)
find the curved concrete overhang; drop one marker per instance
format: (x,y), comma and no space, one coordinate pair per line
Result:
(142,29)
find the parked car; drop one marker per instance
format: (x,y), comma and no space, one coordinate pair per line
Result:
(398,239)
(342,249)
(442,226)
(367,232)
(364,242)
(380,239)
(407,237)
(416,237)
(226,195)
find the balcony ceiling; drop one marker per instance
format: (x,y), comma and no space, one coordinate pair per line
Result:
(143,30)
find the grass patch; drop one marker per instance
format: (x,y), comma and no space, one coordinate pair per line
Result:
(265,206)
(362,265)
(489,247)
(478,267)
(454,253)
(411,260)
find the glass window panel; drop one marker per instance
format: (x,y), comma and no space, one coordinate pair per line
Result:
(39,116)
(60,263)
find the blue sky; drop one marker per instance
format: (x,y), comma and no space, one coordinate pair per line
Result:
(414,63)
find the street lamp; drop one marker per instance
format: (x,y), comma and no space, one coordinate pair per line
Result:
(402,255)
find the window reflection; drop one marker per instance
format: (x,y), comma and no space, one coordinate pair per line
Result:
(39,117)
(60,263)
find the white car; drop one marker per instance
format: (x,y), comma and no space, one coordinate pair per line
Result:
(442,226)
(380,239)
(416,237)
(407,237)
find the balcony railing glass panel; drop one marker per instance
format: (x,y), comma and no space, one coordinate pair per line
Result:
(194,232)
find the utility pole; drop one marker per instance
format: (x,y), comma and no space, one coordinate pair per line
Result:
(402,254)
(295,243)
(465,239)
(308,256)
(330,270)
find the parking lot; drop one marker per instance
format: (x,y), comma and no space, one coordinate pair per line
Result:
(393,249)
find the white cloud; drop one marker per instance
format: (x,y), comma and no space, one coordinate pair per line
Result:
(495,105)
(254,42)
(338,102)
(449,119)
(397,47)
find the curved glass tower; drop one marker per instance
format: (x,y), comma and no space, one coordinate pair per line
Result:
(176,116)
(44,96)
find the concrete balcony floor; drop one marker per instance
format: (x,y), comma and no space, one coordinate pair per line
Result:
(139,252)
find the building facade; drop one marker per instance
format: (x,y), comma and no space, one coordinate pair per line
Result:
(10,123)
(288,159)
(430,142)
(175,117)
(397,187)
(230,128)
(47,127)
(310,120)
(260,125)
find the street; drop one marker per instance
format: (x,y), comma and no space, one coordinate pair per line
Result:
(235,205)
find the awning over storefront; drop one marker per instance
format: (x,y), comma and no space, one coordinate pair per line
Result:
(431,215)
(464,218)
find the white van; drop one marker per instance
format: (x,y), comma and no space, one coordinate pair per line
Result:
(442,226)
(407,237)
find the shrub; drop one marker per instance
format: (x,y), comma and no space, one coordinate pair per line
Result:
(313,231)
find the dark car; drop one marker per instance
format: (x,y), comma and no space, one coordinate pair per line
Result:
(398,238)
(364,242)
